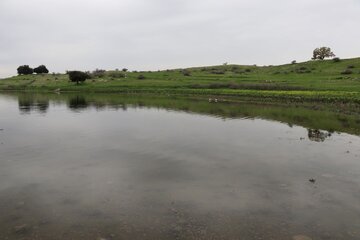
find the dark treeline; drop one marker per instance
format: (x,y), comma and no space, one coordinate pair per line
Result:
(26,70)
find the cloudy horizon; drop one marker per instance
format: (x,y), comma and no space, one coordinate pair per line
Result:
(159,34)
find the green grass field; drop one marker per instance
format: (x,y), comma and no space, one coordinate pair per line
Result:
(312,80)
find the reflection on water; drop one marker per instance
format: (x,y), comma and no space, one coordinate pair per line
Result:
(320,119)
(29,104)
(145,167)
(77,103)
(317,135)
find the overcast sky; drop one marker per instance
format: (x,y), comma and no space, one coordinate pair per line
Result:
(161,34)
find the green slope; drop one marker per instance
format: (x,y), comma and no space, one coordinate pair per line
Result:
(312,80)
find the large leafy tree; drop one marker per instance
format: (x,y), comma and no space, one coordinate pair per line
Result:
(25,70)
(41,69)
(322,53)
(78,76)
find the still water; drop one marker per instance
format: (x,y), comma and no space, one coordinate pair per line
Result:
(108,167)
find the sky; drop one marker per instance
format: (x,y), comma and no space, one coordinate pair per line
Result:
(163,34)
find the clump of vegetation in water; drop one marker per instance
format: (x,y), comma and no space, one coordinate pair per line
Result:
(317,135)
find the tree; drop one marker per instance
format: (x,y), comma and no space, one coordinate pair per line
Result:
(41,69)
(78,76)
(25,69)
(124,69)
(322,53)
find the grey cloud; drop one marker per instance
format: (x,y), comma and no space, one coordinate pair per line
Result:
(159,34)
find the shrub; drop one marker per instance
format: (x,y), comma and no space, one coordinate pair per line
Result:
(234,68)
(302,70)
(293,62)
(99,73)
(264,86)
(217,71)
(25,70)
(248,70)
(141,77)
(41,69)
(117,74)
(78,76)
(336,60)
(351,66)
(346,72)
(186,72)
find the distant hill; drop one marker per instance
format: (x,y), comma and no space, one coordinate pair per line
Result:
(328,78)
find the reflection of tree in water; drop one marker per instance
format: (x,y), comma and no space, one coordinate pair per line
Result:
(77,103)
(30,104)
(317,135)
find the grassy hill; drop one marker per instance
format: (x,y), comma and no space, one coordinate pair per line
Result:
(314,80)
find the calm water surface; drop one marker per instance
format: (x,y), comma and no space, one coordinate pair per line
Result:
(148,168)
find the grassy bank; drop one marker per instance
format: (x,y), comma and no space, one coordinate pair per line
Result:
(307,81)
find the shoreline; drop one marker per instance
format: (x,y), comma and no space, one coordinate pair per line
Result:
(259,95)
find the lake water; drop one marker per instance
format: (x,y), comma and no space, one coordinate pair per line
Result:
(144,167)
